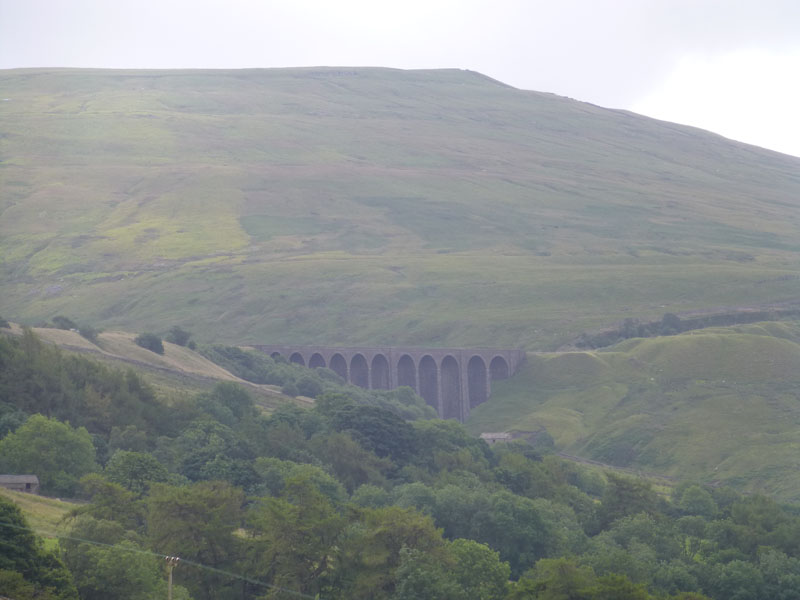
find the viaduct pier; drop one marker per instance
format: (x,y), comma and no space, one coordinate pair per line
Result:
(451,380)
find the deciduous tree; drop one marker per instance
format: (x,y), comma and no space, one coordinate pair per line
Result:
(58,454)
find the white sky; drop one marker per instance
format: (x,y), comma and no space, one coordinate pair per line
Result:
(731,66)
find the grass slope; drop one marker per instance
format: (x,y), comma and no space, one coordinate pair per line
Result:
(178,370)
(716,405)
(372,206)
(44,515)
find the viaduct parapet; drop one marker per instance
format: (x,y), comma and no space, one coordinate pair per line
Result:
(451,380)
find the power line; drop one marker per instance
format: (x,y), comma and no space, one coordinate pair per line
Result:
(198,565)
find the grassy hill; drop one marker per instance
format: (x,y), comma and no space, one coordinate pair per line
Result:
(44,515)
(714,405)
(373,206)
(178,370)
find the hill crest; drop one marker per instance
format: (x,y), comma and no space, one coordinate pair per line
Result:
(415,207)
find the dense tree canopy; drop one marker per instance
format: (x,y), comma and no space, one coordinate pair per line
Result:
(55,452)
(355,498)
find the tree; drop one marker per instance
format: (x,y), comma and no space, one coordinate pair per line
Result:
(89,332)
(553,579)
(135,470)
(670,324)
(372,552)
(228,403)
(4,324)
(55,452)
(24,564)
(420,577)
(62,322)
(625,496)
(275,473)
(197,522)
(697,501)
(111,502)
(738,580)
(616,587)
(478,570)
(178,336)
(150,341)
(521,529)
(13,585)
(375,428)
(350,462)
(294,537)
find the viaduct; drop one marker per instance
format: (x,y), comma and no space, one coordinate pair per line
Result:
(451,380)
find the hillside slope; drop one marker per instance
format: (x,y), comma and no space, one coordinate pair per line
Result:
(178,369)
(373,206)
(716,405)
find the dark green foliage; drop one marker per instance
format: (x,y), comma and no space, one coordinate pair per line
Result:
(55,452)
(38,572)
(197,522)
(135,471)
(255,367)
(375,428)
(671,324)
(466,571)
(4,324)
(228,403)
(10,419)
(151,342)
(349,461)
(62,322)
(625,496)
(178,336)
(349,500)
(39,378)
(89,332)
(697,501)
(111,502)
(20,549)
(290,389)
(446,446)
(309,386)
(296,380)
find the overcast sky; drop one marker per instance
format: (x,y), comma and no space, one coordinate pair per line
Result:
(731,66)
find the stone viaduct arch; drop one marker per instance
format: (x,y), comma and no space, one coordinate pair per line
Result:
(451,380)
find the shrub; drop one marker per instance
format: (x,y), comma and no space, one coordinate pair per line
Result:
(151,342)
(62,322)
(4,324)
(178,336)
(290,389)
(89,332)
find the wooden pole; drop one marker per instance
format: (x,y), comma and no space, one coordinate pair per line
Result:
(172,562)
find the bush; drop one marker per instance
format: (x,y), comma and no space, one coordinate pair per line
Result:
(90,333)
(62,322)
(4,324)
(178,336)
(151,342)
(290,389)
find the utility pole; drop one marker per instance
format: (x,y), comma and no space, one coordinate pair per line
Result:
(172,562)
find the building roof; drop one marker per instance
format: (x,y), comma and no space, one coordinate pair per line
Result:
(19,479)
(496,436)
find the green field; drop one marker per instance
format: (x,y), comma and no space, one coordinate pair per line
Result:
(715,405)
(45,516)
(373,206)
(421,208)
